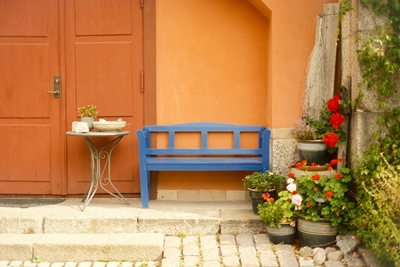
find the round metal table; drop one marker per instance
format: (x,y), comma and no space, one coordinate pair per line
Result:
(96,155)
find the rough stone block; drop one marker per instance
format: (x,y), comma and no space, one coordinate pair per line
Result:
(81,247)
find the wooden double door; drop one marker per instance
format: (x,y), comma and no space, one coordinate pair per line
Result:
(92,51)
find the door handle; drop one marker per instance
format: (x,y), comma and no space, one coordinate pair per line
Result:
(56,92)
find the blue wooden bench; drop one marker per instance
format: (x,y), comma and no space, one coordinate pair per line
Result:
(203,158)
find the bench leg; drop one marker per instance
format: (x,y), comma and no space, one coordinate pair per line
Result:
(145,188)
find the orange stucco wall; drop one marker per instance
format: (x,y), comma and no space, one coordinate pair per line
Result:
(232,61)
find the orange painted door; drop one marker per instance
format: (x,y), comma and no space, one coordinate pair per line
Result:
(103,67)
(95,46)
(31,152)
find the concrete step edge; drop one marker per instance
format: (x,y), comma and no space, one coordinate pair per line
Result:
(82,247)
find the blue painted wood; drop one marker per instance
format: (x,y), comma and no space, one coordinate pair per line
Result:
(203,158)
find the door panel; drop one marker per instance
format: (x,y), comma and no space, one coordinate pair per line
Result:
(103,66)
(31,154)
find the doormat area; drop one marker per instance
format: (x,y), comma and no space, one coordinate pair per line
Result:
(29,202)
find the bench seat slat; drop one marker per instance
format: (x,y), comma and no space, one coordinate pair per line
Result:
(210,164)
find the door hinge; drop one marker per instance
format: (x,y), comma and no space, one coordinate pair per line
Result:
(141,3)
(142,80)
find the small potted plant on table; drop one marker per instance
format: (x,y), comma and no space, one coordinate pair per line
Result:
(88,114)
(259,183)
(279,215)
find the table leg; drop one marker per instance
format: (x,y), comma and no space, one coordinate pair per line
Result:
(97,173)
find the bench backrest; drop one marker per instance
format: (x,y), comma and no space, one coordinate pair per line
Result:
(204,128)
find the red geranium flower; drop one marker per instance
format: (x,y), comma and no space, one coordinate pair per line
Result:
(314,164)
(336,119)
(329,194)
(340,159)
(331,139)
(333,104)
(338,176)
(291,175)
(315,177)
(334,162)
(309,204)
(298,165)
(330,168)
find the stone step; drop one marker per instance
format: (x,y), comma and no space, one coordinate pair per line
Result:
(105,216)
(82,247)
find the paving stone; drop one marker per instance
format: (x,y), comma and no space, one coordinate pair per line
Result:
(208,242)
(210,254)
(172,253)
(190,240)
(249,262)
(88,264)
(16,263)
(172,241)
(228,250)
(191,261)
(170,263)
(286,256)
(44,264)
(211,264)
(244,240)
(268,259)
(191,250)
(247,251)
(230,261)
(261,239)
(227,239)
(99,264)
(29,264)
(57,264)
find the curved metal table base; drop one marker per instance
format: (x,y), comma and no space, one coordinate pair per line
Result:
(97,171)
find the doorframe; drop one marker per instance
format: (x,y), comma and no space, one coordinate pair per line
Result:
(63,95)
(149,79)
(149,61)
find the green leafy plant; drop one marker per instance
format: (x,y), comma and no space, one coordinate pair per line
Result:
(88,111)
(263,182)
(328,128)
(377,177)
(379,54)
(325,197)
(274,212)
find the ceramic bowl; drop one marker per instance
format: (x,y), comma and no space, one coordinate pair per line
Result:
(109,126)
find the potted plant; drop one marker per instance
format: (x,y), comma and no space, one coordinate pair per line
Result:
(259,183)
(317,137)
(325,208)
(88,114)
(279,215)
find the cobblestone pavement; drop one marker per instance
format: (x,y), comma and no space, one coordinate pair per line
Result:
(244,250)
